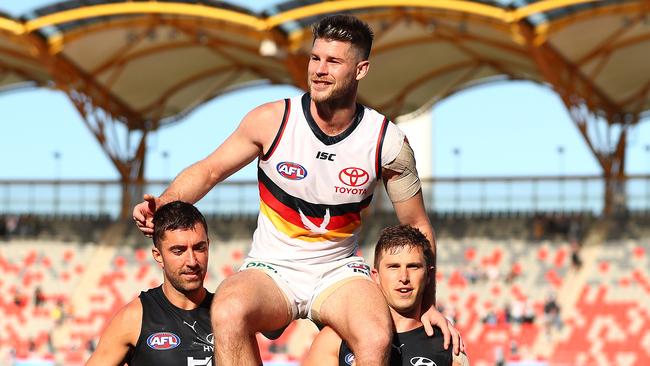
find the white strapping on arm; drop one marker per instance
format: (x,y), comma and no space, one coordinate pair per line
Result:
(407,184)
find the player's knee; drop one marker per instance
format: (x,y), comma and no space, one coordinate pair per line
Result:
(373,341)
(229,311)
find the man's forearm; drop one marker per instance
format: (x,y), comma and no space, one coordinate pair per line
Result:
(190,185)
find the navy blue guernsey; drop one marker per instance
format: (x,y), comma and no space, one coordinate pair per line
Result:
(171,336)
(412,348)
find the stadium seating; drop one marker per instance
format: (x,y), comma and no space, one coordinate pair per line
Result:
(605,305)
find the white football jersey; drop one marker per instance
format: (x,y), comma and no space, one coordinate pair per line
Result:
(314,187)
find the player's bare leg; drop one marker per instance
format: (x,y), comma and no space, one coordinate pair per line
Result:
(358,312)
(246,303)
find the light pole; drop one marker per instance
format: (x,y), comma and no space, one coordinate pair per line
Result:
(456,151)
(56,155)
(165,156)
(647,180)
(561,173)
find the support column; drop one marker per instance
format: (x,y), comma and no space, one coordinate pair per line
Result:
(125,147)
(602,123)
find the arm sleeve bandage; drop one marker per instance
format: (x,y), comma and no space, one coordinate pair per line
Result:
(407,183)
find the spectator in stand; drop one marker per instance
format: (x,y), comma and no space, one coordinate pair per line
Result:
(576,261)
(517,312)
(551,314)
(499,359)
(529,312)
(39,297)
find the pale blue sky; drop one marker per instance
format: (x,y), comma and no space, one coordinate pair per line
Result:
(510,128)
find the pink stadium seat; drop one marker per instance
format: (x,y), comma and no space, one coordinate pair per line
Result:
(46,261)
(237,255)
(141,255)
(227,271)
(638,252)
(120,262)
(560,257)
(470,254)
(142,272)
(68,255)
(457,279)
(553,278)
(542,253)
(30,259)
(603,267)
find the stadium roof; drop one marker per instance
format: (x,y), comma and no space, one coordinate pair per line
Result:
(148,63)
(156,60)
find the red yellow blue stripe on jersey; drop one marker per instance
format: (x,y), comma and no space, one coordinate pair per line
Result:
(307,221)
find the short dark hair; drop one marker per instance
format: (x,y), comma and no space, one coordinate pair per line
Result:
(345,28)
(394,238)
(174,216)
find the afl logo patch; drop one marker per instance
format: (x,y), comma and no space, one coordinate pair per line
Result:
(353,177)
(293,171)
(163,341)
(349,359)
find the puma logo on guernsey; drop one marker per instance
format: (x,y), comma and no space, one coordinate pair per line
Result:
(191,326)
(322,229)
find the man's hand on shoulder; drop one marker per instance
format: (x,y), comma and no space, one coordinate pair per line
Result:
(433,317)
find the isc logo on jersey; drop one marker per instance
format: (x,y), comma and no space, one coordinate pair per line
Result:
(292,171)
(163,341)
(349,359)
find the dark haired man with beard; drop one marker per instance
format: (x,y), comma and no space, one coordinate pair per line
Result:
(320,157)
(168,325)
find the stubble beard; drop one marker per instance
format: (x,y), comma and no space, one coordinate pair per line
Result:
(182,286)
(339,94)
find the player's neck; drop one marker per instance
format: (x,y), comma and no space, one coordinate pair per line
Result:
(185,301)
(334,117)
(405,322)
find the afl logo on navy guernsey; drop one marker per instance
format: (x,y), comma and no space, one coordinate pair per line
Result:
(163,341)
(349,359)
(293,171)
(353,177)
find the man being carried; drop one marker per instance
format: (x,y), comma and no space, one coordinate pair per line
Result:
(168,325)
(320,156)
(403,269)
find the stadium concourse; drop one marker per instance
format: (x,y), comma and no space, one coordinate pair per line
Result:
(496,281)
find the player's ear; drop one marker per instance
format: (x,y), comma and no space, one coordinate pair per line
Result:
(157,256)
(374,275)
(362,69)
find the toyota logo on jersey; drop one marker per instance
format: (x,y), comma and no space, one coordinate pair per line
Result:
(293,171)
(353,177)
(163,341)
